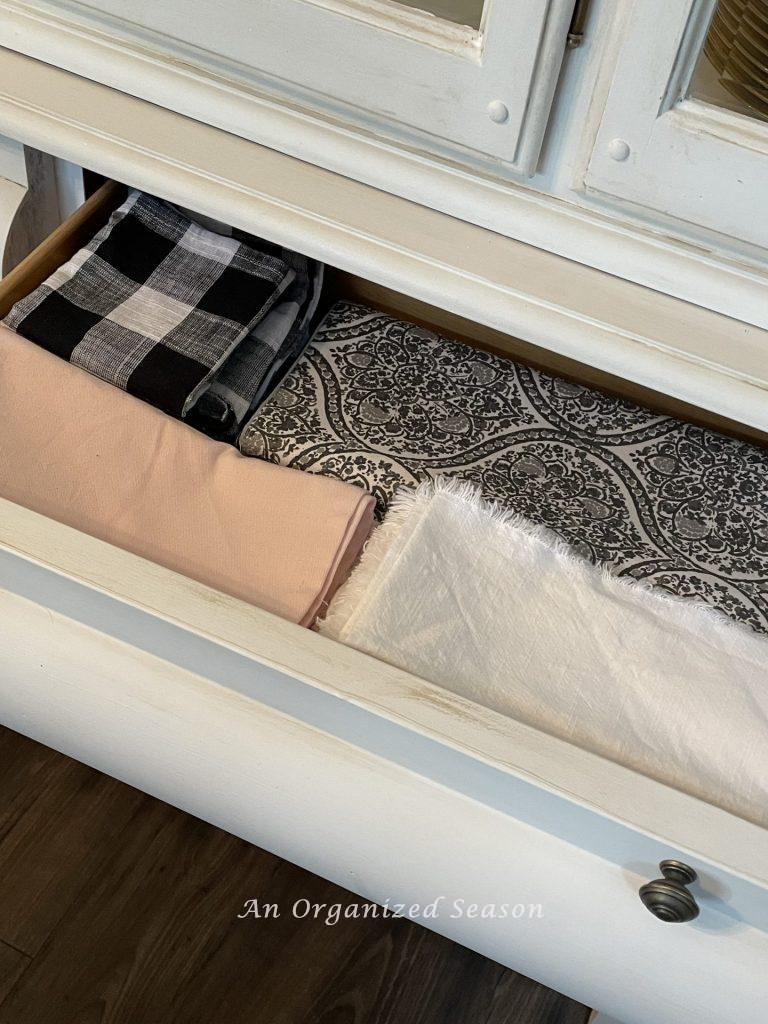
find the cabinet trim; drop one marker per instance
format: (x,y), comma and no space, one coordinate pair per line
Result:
(670,346)
(696,270)
(686,158)
(439,114)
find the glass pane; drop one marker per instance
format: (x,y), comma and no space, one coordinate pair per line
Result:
(462,12)
(732,71)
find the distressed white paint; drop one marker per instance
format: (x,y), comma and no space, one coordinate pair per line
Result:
(611,798)
(671,257)
(13,165)
(360,772)
(634,332)
(340,58)
(408,20)
(689,160)
(377,780)
(70,187)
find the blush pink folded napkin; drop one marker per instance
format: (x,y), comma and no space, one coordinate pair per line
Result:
(89,455)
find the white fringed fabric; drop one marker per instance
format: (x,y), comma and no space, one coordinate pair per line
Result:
(483,603)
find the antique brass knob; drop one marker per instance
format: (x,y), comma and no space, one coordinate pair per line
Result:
(667,898)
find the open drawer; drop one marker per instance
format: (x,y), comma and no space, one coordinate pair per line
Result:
(533,849)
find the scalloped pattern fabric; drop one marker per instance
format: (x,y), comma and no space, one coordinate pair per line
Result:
(380,403)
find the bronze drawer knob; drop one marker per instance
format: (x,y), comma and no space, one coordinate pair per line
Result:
(667,898)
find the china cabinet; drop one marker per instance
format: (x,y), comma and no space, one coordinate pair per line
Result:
(477,93)
(582,186)
(672,140)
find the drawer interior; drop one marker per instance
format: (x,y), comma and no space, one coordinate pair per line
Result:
(210,665)
(303,655)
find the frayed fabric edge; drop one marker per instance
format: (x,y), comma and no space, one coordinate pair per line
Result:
(708,624)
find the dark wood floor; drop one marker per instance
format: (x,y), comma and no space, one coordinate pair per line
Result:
(118,909)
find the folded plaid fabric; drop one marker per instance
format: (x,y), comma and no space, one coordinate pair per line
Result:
(256,365)
(153,304)
(380,403)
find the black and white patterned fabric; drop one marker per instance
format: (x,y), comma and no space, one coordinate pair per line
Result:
(379,403)
(256,365)
(153,304)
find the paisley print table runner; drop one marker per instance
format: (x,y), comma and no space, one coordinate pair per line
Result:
(380,403)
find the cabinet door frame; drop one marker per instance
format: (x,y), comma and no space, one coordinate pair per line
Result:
(382,72)
(679,157)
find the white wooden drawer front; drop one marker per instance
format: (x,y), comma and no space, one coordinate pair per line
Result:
(374,778)
(379,781)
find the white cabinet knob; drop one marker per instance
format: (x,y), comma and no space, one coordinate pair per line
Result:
(497,111)
(618,149)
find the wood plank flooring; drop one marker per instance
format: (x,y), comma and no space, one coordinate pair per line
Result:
(118,909)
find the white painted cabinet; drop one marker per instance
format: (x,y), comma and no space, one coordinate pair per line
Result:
(372,136)
(478,93)
(671,139)
(386,784)
(625,154)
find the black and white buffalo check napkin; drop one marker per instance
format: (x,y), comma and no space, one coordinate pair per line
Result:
(258,363)
(154,304)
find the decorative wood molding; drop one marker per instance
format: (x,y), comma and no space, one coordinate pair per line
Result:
(416,24)
(438,113)
(688,159)
(668,345)
(696,269)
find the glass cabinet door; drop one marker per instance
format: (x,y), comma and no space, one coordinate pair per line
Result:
(470,81)
(685,128)
(460,12)
(732,69)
